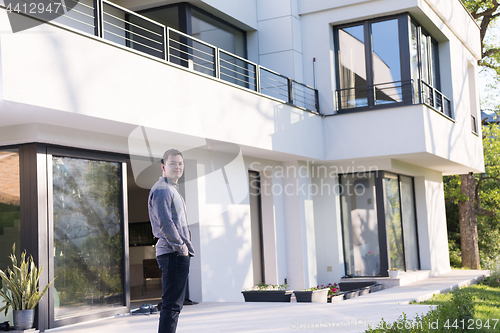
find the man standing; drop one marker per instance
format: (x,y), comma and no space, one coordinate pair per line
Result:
(167,213)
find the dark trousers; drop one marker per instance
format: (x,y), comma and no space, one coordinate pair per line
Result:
(175,270)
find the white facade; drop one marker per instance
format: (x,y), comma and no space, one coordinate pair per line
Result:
(61,87)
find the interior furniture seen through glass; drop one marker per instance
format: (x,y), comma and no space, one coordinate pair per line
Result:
(88,236)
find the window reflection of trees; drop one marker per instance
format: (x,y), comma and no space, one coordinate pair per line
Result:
(88,242)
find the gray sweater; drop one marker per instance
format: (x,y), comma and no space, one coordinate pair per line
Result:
(167,213)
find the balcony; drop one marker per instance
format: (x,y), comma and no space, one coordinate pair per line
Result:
(392,94)
(120,26)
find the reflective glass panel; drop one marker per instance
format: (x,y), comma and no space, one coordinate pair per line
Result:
(386,62)
(415,75)
(409,223)
(353,84)
(215,32)
(10,206)
(88,242)
(434,64)
(359,219)
(424,55)
(393,222)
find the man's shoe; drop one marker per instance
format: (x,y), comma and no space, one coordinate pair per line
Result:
(189,302)
(5,326)
(144,309)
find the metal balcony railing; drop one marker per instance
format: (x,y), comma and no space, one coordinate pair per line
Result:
(126,28)
(403,92)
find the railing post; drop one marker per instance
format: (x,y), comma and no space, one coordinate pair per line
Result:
(217,62)
(97,18)
(165,48)
(290,91)
(316,100)
(167,44)
(101,18)
(257,78)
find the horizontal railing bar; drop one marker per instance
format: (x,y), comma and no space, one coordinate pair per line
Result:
(279,88)
(192,55)
(237,57)
(235,78)
(78,3)
(273,72)
(194,63)
(133,41)
(133,13)
(135,33)
(232,70)
(246,69)
(192,47)
(302,84)
(276,93)
(270,78)
(135,25)
(66,7)
(74,19)
(192,38)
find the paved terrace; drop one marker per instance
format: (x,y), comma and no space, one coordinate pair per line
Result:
(346,316)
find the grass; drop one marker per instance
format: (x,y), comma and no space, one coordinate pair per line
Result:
(475,309)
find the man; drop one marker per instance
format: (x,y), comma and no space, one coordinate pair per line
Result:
(167,213)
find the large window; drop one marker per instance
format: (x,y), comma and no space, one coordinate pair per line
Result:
(87,236)
(388,61)
(10,205)
(378,223)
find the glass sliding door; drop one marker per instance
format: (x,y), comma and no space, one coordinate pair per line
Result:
(360,227)
(10,206)
(87,236)
(409,223)
(393,221)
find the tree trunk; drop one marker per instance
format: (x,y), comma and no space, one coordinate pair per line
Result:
(468,223)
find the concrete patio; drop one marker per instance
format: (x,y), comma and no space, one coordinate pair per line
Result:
(347,316)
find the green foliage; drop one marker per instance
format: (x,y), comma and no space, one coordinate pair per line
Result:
(20,284)
(459,309)
(261,286)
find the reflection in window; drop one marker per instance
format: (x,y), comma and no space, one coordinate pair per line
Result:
(10,206)
(393,222)
(386,62)
(359,218)
(353,79)
(88,244)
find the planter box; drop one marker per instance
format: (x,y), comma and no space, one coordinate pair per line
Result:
(351,294)
(267,296)
(336,298)
(376,287)
(364,291)
(312,296)
(351,285)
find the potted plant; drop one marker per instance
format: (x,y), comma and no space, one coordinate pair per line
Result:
(20,290)
(333,292)
(312,295)
(393,273)
(268,293)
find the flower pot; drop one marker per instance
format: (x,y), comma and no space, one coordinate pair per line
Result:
(312,296)
(336,298)
(23,319)
(267,296)
(393,274)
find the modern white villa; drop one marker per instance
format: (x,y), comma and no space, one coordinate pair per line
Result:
(315,135)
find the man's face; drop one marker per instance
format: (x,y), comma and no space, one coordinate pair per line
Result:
(173,167)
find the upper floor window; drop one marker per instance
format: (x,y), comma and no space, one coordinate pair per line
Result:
(202,25)
(387,61)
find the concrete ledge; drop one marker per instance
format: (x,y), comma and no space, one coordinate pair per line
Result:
(403,279)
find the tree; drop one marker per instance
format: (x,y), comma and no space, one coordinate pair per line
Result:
(469,197)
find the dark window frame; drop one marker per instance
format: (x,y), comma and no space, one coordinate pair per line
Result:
(384,249)
(404,27)
(185,20)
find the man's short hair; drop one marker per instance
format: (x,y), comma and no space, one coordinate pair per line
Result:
(170,152)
